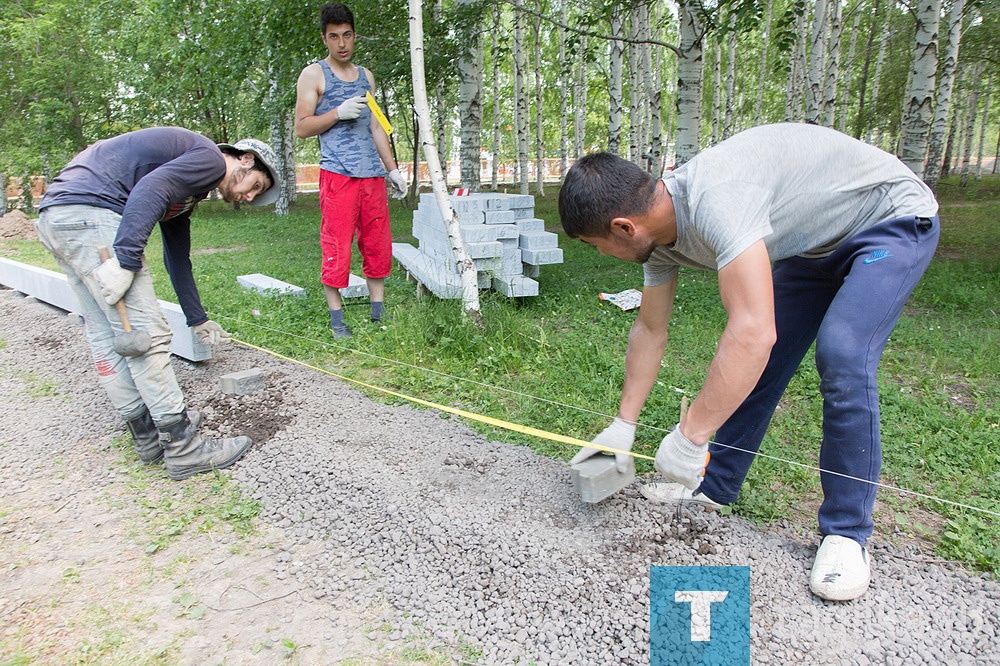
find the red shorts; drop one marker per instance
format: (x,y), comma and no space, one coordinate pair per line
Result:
(353,207)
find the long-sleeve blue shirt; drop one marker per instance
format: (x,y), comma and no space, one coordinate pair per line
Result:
(147,176)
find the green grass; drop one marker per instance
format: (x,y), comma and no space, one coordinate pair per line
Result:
(555,361)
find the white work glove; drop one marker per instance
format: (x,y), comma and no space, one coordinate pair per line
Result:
(210,333)
(113,280)
(619,435)
(352,107)
(681,460)
(398,184)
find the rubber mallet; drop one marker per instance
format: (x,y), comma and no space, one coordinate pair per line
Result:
(129,343)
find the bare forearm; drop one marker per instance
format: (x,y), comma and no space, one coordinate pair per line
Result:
(642,365)
(308,126)
(733,373)
(383,148)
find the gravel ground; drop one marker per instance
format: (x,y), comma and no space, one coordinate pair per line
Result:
(453,542)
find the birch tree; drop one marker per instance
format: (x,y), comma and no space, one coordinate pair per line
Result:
(876,137)
(832,64)
(982,127)
(844,89)
(439,98)
(467,269)
(968,136)
(919,100)
(716,91)
(520,101)
(564,88)
(651,67)
(616,59)
(817,54)
(637,109)
(580,100)
(766,37)
(539,110)
(470,87)
(727,125)
(496,95)
(796,69)
(690,66)
(943,106)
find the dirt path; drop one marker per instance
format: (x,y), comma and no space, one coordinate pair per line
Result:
(386,535)
(105,561)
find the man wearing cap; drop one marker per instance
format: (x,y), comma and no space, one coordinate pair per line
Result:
(111,195)
(355,157)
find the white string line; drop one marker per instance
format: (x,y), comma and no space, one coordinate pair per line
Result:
(814,468)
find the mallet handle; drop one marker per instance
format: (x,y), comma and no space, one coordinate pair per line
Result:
(120,305)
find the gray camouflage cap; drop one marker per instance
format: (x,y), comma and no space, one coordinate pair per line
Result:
(268,159)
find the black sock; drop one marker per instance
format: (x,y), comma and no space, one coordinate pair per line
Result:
(336,318)
(377,310)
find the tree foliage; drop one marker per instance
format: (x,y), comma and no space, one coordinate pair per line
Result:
(75,73)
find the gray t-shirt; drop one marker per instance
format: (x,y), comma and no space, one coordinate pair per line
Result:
(804,189)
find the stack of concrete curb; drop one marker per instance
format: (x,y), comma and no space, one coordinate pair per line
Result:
(505,240)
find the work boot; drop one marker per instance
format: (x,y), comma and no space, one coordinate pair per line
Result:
(186,452)
(147,438)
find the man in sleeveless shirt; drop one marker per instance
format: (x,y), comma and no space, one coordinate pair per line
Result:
(355,158)
(849,231)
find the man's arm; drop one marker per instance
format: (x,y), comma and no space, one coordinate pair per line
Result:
(176,235)
(748,296)
(646,344)
(308,91)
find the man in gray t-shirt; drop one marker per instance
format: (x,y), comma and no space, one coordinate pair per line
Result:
(815,237)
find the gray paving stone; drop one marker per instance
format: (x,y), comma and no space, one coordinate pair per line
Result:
(243,382)
(597,478)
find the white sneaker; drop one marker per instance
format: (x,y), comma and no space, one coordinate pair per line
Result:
(841,571)
(675,493)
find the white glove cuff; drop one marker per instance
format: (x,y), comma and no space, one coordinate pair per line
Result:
(687,447)
(622,427)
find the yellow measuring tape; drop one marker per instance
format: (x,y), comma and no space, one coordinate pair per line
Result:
(506,425)
(377,112)
(573,441)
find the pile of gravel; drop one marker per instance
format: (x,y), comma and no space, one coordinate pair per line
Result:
(485,546)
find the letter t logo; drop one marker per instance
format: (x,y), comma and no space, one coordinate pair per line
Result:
(701,610)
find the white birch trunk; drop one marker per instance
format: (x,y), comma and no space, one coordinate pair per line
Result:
(690,67)
(968,135)
(727,125)
(832,65)
(636,109)
(950,148)
(759,105)
(716,91)
(496,96)
(919,99)
(949,66)
(796,62)
(844,89)
(615,64)
(875,136)
(982,127)
(653,98)
(470,285)
(470,107)
(564,86)
(520,101)
(539,84)
(817,56)
(580,101)
(279,139)
(439,100)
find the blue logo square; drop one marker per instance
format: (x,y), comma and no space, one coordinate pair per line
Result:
(699,615)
